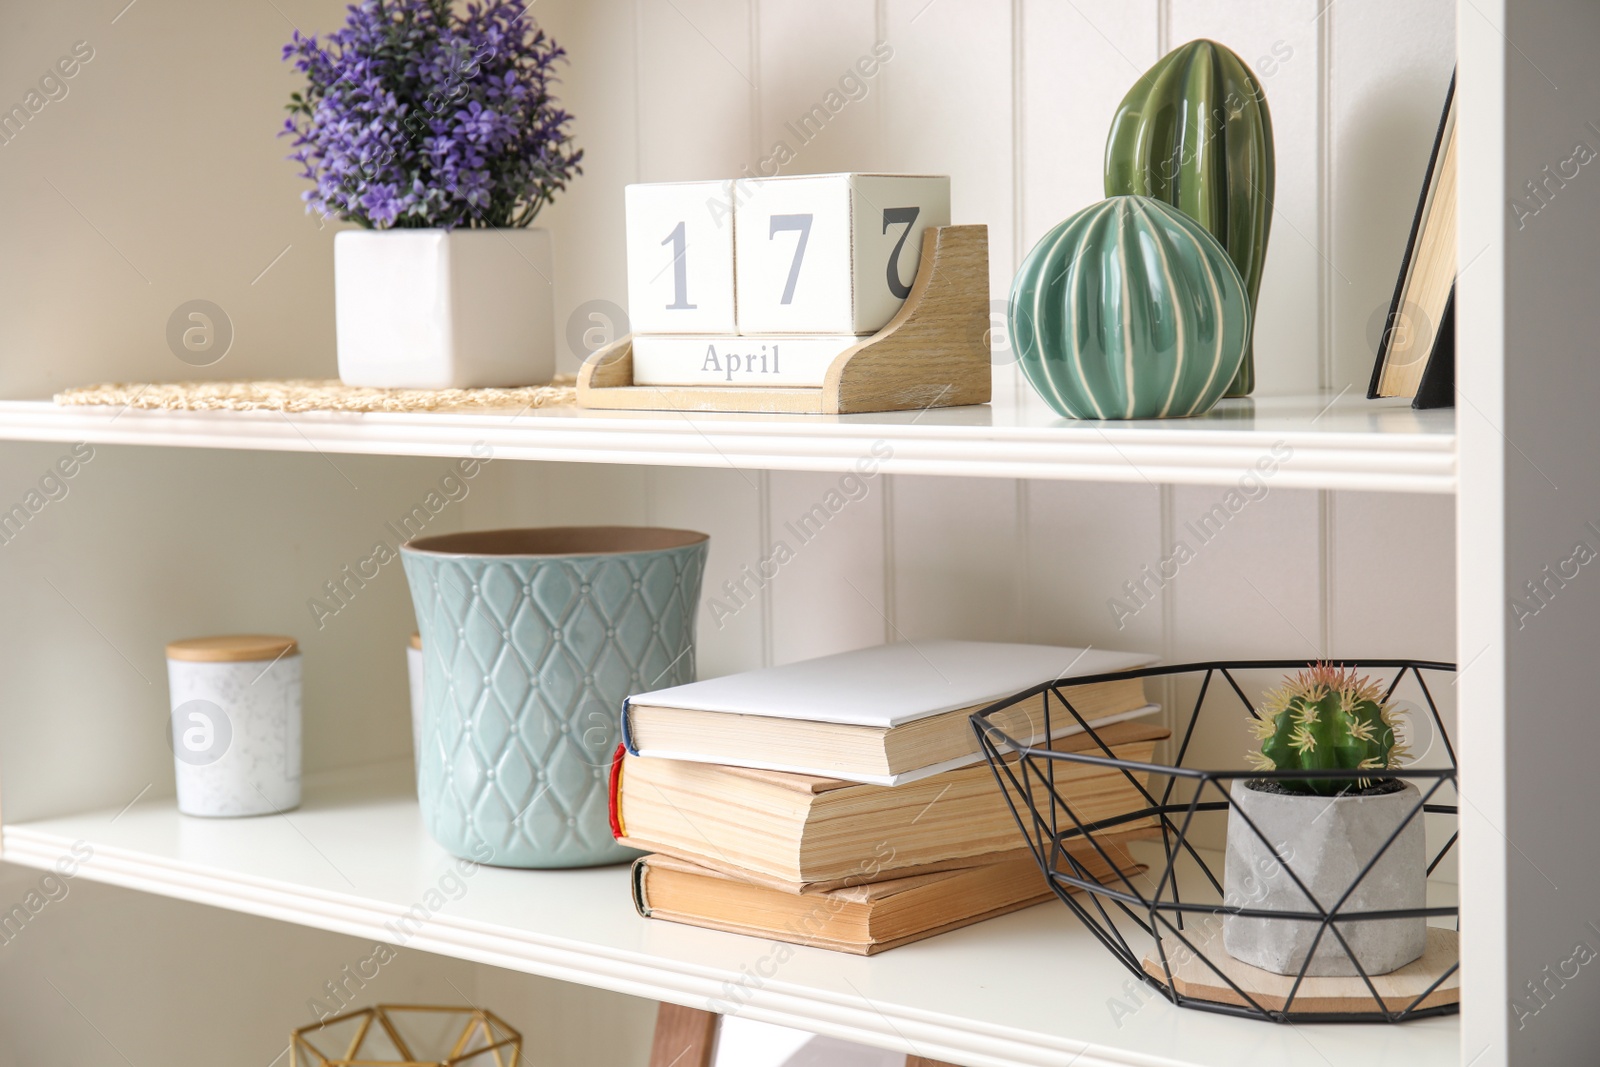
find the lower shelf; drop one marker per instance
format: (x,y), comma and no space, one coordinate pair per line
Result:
(1030,988)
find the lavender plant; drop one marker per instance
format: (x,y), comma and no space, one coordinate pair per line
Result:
(416,115)
(1326,718)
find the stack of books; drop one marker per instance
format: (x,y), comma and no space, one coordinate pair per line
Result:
(844,802)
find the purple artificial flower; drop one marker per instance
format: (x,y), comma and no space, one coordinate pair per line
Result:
(416,116)
(382,204)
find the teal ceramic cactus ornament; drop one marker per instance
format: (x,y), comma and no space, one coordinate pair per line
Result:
(1195,132)
(1327,719)
(1129,310)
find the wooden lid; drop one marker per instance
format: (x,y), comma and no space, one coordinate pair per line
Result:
(416,642)
(231,648)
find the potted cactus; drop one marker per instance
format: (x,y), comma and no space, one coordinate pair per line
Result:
(1325,831)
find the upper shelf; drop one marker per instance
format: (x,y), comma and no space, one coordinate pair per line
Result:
(1308,442)
(1026,990)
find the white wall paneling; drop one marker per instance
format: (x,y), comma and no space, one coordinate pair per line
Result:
(958,564)
(1390,66)
(1371,604)
(826,552)
(727,504)
(1083,545)
(111,222)
(1066,105)
(223,997)
(157,180)
(600,87)
(926,111)
(696,89)
(804,52)
(564,494)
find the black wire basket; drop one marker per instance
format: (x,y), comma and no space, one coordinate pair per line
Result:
(1161,918)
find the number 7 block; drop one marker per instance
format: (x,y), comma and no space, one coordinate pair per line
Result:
(680,257)
(830,253)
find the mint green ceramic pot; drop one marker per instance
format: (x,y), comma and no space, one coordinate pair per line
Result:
(1129,310)
(532,639)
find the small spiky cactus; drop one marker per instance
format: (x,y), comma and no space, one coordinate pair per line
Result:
(1326,718)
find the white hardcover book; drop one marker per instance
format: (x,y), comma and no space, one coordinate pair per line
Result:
(887,686)
(762,362)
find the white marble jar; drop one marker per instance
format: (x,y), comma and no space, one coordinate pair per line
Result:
(235,729)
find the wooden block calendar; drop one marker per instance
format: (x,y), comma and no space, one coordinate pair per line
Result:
(680,257)
(830,253)
(816,294)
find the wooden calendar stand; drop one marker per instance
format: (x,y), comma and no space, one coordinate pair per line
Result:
(933,353)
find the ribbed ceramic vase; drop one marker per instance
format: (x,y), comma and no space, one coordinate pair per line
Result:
(532,640)
(1195,132)
(1129,310)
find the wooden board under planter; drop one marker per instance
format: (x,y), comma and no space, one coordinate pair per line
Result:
(933,353)
(1193,977)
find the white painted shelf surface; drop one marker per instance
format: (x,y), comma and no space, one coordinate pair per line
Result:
(1315,442)
(1031,988)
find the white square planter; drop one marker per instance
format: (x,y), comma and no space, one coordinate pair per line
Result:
(437,309)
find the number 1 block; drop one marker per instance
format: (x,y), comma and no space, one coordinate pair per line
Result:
(830,253)
(680,257)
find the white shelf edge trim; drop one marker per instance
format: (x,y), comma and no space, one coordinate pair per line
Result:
(923,1033)
(952,442)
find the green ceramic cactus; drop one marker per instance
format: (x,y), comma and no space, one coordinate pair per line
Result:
(1326,719)
(1195,132)
(1129,310)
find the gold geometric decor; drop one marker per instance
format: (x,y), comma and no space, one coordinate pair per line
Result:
(406,1035)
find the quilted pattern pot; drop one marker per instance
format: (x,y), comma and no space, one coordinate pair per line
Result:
(532,639)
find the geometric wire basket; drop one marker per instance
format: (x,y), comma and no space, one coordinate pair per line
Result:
(1162,924)
(407,1035)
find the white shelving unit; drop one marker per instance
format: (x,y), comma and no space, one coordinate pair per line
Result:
(1381,530)
(1029,989)
(1337,441)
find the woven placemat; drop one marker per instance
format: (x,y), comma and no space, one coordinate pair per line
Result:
(313,394)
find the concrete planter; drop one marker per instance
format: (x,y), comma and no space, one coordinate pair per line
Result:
(1326,841)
